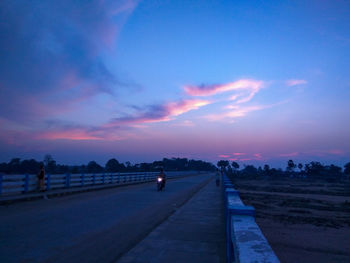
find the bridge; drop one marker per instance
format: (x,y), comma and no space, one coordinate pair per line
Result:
(127,220)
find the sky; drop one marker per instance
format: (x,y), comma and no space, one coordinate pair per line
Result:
(248,81)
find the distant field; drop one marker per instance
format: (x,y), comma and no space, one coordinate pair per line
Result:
(303,221)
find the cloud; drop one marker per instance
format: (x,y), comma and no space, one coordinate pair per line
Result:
(238,154)
(245,89)
(257,156)
(160,113)
(71,134)
(223,156)
(116,129)
(236,112)
(336,152)
(295,82)
(322,153)
(51,54)
(186,123)
(208,90)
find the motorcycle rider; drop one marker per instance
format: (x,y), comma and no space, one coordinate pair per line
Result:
(163,176)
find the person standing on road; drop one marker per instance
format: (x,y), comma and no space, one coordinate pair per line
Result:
(217,177)
(41,179)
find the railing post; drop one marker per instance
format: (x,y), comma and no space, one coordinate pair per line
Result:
(82,179)
(26,183)
(103,178)
(67,180)
(0,183)
(48,182)
(94,179)
(111,176)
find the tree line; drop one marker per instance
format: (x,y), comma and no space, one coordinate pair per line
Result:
(312,170)
(18,166)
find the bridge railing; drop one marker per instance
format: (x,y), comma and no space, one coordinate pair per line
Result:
(244,240)
(26,183)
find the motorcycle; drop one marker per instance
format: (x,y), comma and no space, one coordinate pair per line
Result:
(160,184)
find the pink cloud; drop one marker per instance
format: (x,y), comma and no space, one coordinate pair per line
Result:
(224,156)
(238,154)
(295,82)
(73,134)
(112,130)
(186,123)
(160,113)
(336,152)
(178,108)
(237,112)
(257,156)
(208,90)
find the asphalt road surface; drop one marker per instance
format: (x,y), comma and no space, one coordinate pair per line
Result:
(97,226)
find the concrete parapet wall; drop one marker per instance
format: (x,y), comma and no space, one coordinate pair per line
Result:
(245,243)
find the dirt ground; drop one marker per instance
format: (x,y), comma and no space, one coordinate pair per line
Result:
(303,221)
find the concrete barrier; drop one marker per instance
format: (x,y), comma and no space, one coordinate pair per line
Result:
(245,243)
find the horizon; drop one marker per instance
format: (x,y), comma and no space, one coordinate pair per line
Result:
(251,82)
(279,165)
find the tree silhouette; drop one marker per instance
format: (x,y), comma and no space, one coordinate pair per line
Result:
(300,166)
(291,166)
(235,166)
(113,166)
(50,164)
(347,168)
(250,171)
(94,167)
(223,164)
(14,165)
(266,169)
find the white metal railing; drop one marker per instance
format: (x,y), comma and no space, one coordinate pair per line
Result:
(25,183)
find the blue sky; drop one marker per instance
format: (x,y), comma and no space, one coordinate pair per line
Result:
(251,81)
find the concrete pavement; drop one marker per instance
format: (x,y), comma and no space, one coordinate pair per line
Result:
(89,227)
(194,233)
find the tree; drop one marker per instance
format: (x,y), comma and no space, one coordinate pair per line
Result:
(50,163)
(113,166)
(347,168)
(94,167)
(334,172)
(15,165)
(266,169)
(314,169)
(300,167)
(250,171)
(30,166)
(235,166)
(291,166)
(223,163)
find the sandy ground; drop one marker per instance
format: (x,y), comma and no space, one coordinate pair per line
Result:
(303,221)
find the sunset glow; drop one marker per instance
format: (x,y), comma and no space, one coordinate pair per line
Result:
(142,80)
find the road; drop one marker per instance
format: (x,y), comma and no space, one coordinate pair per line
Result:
(97,226)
